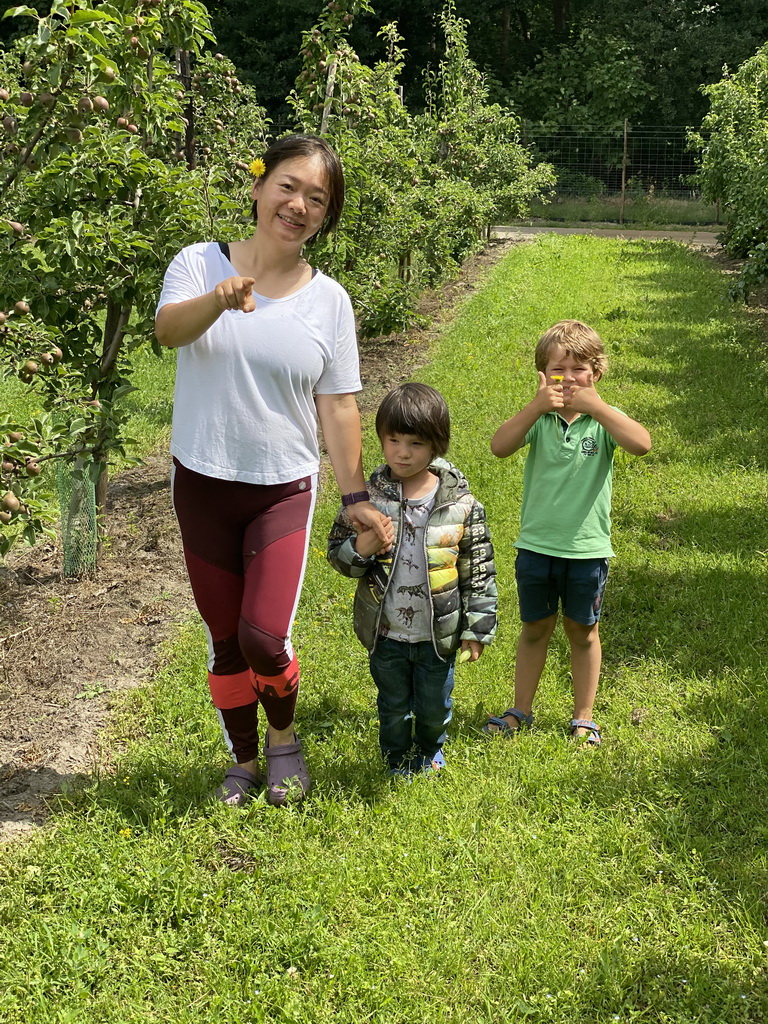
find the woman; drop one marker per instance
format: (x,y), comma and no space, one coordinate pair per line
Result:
(266,348)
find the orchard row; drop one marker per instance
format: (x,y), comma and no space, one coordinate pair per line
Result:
(125,139)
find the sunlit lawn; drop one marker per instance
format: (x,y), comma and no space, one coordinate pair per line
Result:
(531,881)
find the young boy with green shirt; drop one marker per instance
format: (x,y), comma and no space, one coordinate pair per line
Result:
(564,542)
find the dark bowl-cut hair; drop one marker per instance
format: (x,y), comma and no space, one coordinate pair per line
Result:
(416,409)
(292,146)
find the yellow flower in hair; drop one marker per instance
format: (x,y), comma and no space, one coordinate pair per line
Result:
(257,167)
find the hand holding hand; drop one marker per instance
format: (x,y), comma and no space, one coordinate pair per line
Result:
(236,293)
(368,542)
(366,520)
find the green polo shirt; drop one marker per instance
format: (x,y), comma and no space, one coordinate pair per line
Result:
(566,510)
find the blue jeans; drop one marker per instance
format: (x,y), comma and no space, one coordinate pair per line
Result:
(414,700)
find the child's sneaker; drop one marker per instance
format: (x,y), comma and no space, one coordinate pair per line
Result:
(430,765)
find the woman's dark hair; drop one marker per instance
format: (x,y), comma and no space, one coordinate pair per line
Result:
(416,409)
(292,146)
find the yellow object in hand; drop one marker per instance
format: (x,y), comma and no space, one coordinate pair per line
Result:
(464,656)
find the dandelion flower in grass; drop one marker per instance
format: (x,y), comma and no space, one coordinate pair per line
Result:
(257,167)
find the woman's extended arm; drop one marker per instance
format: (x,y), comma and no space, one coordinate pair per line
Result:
(180,323)
(340,420)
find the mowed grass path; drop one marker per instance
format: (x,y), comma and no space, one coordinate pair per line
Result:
(531,881)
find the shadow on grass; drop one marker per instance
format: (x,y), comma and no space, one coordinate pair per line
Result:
(706,355)
(739,527)
(698,620)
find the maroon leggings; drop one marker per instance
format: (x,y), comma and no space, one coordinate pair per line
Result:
(246,548)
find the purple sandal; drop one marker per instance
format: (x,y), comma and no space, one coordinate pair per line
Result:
(238,787)
(287,775)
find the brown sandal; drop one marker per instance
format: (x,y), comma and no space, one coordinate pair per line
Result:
(238,787)
(287,775)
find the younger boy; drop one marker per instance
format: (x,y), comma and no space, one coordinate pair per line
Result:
(564,543)
(433,592)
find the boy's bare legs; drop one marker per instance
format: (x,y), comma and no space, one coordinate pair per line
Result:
(586,658)
(529,664)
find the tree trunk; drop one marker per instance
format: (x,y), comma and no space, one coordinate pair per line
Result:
(561,16)
(185,76)
(504,41)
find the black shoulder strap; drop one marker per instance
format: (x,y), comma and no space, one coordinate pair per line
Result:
(224,246)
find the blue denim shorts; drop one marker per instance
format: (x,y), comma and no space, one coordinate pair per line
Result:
(544,582)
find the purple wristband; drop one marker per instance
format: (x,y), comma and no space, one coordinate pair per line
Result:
(354,497)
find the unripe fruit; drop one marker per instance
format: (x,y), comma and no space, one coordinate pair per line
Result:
(26,99)
(3,318)
(101,103)
(133,129)
(8,467)
(9,125)
(218,56)
(33,468)
(5,517)
(4,95)
(10,502)
(18,229)
(107,74)
(22,308)
(57,354)
(74,135)
(85,104)
(46,100)
(15,435)
(95,403)
(122,122)
(26,67)
(47,358)
(30,367)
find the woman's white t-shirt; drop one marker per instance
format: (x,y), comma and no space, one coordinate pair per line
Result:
(243,406)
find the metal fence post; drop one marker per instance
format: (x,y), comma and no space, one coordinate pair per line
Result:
(623,175)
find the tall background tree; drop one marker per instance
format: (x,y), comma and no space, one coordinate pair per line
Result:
(554,61)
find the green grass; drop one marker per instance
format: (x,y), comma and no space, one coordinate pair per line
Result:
(151,405)
(639,212)
(532,881)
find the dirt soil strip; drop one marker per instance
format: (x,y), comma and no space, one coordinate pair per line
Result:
(68,646)
(693,236)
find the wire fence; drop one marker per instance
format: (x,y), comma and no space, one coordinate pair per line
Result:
(638,160)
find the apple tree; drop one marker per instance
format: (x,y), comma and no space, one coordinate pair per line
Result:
(111,160)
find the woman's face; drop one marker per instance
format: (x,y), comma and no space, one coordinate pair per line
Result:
(293,199)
